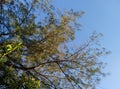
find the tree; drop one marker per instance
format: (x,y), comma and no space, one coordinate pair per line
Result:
(34,50)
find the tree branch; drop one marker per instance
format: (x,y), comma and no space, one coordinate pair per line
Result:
(45,77)
(65,75)
(34,67)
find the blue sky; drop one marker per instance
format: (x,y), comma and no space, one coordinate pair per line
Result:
(102,16)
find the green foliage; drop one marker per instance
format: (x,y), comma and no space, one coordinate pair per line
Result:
(13,81)
(24,82)
(34,52)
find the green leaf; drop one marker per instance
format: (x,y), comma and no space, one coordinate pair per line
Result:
(9,47)
(3,59)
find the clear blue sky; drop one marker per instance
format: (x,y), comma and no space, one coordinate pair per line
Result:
(102,16)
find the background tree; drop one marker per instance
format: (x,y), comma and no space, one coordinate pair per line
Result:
(34,50)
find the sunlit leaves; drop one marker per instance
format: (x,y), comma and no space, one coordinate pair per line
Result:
(9,47)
